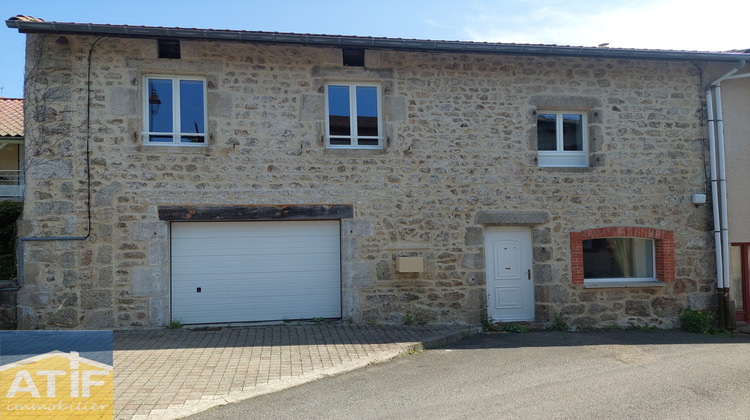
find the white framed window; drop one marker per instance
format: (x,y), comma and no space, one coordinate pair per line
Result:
(562,138)
(353,116)
(174,111)
(618,260)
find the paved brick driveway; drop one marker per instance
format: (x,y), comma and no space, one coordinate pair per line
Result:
(172,373)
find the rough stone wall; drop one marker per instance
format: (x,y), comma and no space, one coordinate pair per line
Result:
(461,138)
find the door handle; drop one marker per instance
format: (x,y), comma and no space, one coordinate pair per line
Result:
(528,273)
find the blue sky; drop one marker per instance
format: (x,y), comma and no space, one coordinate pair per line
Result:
(717,25)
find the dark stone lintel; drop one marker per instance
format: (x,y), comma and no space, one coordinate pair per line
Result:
(257,212)
(511,218)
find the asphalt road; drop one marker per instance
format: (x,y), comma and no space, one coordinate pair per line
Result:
(596,374)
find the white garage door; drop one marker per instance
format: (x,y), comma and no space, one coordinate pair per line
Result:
(255,271)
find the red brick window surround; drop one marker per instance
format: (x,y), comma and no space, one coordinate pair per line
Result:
(663,248)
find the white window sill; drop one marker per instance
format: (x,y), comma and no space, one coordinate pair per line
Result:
(175,148)
(593,284)
(353,151)
(553,159)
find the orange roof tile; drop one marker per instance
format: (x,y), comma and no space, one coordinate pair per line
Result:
(11,117)
(24,18)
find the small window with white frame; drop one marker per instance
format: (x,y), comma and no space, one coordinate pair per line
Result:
(353,116)
(618,260)
(562,138)
(174,111)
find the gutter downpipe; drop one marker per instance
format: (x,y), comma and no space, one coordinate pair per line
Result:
(715,203)
(21,241)
(719,196)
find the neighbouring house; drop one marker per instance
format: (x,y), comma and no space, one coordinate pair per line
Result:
(11,188)
(11,148)
(734,96)
(218,176)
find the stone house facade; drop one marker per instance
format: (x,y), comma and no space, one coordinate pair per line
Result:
(461,179)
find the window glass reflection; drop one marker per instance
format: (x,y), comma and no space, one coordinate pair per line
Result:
(546,131)
(160,105)
(609,258)
(191,106)
(160,139)
(572,132)
(339,118)
(367,112)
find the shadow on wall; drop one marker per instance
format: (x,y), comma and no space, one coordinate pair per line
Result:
(10,211)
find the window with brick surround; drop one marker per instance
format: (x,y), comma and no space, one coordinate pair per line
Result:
(353,117)
(622,255)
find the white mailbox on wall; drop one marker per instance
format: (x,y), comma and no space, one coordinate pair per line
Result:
(410,264)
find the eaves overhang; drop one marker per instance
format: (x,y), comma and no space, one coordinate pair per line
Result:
(398,44)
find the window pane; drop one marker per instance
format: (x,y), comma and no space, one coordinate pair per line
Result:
(367,111)
(545,132)
(191,106)
(367,142)
(341,141)
(160,139)
(160,105)
(339,116)
(572,132)
(192,139)
(609,258)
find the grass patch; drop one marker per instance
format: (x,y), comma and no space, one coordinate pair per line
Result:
(489,326)
(175,325)
(696,321)
(515,328)
(701,322)
(559,323)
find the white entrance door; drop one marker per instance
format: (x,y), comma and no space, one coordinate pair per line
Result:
(510,287)
(255,271)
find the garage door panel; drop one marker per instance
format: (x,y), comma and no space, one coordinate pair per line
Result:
(255,271)
(269,230)
(221,266)
(260,284)
(205,247)
(311,301)
(245,259)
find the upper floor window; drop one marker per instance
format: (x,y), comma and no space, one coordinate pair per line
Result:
(353,118)
(562,139)
(174,111)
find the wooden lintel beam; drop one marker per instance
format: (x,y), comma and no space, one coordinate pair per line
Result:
(257,212)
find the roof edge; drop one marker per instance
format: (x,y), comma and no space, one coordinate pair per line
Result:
(152,32)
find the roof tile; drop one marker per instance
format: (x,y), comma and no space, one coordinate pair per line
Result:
(24,18)
(11,117)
